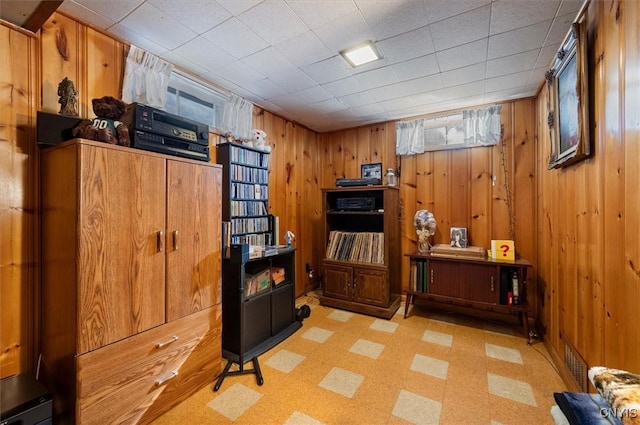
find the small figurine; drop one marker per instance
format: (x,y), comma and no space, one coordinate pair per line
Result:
(68,98)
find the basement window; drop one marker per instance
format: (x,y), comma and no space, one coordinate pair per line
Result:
(195,101)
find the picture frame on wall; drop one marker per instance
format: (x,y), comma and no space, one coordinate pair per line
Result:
(373,170)
(568,100)
(458,237)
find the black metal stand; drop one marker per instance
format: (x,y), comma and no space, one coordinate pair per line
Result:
(242,371)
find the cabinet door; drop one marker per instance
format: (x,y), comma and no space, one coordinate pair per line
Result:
(480,283)
(370,286)
(194,241)
(444,278)
(120,269)
(337,281)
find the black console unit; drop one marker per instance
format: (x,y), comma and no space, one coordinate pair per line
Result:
(158,131)
(24,401)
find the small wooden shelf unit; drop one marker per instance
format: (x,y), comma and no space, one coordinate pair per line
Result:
(475,283)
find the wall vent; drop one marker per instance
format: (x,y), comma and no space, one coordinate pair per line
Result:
(576,366)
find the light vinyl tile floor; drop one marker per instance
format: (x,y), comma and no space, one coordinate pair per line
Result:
(349,368)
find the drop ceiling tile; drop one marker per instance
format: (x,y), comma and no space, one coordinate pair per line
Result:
(407,46)
(464,75)
(512,64)
(368,110)
(377,78)
(328,70)
(461,56)
(269,61)
(399,103)
(438,10)
(239,73)
(343,87)
(87,15)
(388,18)
(185,63)
(329,105)
(200,16)
(546,55)
(345,32)
(423,84)
(357,99)
(392,91)
(559,29)
(107,10)
(236,7)
(465,90)
(314,15)
(304,49)
(518,41)
(429,97)
(461,29)
(137,39)
(203,53)
(158,26)
(511,15)
(235,38)
(274,21)
(292,80)
(570,7)
(536,78)
(266,89)
(312,95)
(507,81)
(424,65)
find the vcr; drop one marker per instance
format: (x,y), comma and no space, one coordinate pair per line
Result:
(356,204)
(158,131)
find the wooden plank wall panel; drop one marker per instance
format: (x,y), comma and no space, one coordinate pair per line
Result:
(480,203)
(614,176)
(19,224)
(629,305)
(60,44)
(502,178)
(586,210)
(103,67)
(460,176)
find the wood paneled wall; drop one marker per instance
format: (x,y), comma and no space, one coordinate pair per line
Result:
(463,187)
(589,213)
(19,224)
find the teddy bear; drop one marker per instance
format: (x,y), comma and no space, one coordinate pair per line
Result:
(105,127)
(257,140)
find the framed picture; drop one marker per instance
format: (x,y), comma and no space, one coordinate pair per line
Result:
(458,237)
(371,170)
(568,101)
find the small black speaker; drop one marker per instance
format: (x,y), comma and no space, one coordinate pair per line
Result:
(52,129)
(239,253)
(303,312)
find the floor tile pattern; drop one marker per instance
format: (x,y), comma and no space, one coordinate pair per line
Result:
(347,368)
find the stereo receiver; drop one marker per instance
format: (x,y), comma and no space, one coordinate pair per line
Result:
(357,204)
(158,131)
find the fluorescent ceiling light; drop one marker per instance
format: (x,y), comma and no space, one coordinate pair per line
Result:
(362,54)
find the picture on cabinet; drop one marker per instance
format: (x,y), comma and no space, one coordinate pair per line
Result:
(458,237)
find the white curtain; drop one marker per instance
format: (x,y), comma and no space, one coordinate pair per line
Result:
(482,127)
(146,78)
(237,118)
(410,137)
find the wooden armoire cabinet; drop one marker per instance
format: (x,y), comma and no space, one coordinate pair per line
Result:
(131,280)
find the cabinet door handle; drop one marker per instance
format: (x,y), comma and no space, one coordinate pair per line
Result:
(160,241)
(169,341)
(172,375)
(492,285)
(175,240)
